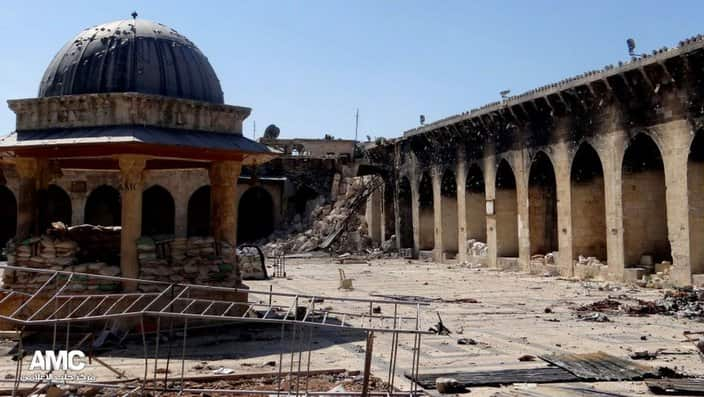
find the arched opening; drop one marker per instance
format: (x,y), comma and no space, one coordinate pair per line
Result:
(405,212)
(103,207)
(588,206)
(644,208)
(542,203)
(255,219)
(199,212)
(158,211)
(448,194)
(389,211)
(426,213)
(506,208)
(58,206)
(8,216)
(695,184)
(475,203)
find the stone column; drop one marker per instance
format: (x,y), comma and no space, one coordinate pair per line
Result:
(521,168)
(131,186)
(676,137)
(415,211)
(374,215)
(439,247)
(612,148)
(397,207)
(561,162)
(461,181)
(29,172)
(223,200)
(490,192)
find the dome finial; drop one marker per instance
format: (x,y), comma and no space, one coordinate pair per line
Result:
(134,14)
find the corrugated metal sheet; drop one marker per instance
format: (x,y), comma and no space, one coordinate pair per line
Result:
(600,366)
(133,134)
(677,387)
(500,377)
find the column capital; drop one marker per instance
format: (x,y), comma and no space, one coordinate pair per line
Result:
(131,171)
(27,167)
(224,173)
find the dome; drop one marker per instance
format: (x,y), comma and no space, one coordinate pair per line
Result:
(134,55)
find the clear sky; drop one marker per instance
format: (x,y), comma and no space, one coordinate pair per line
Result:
(307,65)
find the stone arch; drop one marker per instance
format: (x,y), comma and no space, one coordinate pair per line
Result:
(58,205)
(542,204)
(448,195)
(643,202)
(695,186)
(405,209)
(588,208)
(8,215)
(426,221)
(199,212)
(475,203)
(255,219)
(103,207)
(506,208)
(158,211)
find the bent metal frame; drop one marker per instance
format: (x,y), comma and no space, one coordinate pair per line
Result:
(62,300)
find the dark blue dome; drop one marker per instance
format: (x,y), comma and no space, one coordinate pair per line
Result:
(134,55)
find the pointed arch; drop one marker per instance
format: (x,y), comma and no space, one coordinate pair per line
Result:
(103,207)
(542,203)
(255,219)
(58,205)
(8,215)
(695,185)
(506,207)
(158,211)
(448,194)
(199,212)
(475,203)
(588,206)
(643,192)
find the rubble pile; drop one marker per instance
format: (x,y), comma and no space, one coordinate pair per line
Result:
(545,263)
(477,248)
(682,303)
(49,252)
(341,222)
(192,260)
(590,268)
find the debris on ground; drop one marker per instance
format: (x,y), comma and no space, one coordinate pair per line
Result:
(466,341)
(440,328)
(595,317)
(448,385)
(527,357)
(684,302)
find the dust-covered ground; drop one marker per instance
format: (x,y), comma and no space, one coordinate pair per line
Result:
(513,315)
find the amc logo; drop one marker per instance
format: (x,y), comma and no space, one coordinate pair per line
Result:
(62,360)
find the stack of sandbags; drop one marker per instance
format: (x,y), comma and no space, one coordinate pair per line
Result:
(43,252)
(151,267)
(178,249)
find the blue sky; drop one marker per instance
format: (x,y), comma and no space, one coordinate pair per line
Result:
(307,65)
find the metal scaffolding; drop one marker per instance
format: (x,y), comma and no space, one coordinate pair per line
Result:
(65,298)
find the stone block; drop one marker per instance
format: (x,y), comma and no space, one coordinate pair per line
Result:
(633,274)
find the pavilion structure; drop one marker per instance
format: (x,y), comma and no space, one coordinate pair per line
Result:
(130,97)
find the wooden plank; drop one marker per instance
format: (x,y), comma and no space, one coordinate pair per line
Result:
(500,377)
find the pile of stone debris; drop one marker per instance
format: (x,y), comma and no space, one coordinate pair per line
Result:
(686,302)
(338,226)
